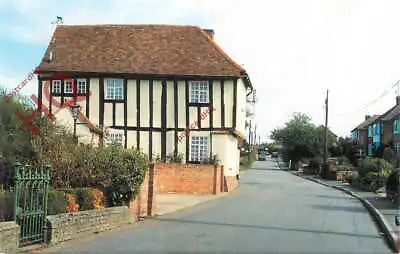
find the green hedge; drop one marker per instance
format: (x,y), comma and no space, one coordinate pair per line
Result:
(6,206)
(57,202)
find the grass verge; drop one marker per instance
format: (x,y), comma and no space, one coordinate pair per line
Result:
(245,163)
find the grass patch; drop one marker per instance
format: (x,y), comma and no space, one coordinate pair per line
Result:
(245,163)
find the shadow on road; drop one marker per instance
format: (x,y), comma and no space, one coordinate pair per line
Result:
(264,169)
(265,227)
(350,209)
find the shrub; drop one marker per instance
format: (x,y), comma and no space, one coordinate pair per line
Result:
(117,171)
(353,177)
(7,206)
(214,160)
(375,165)
(98,201)
(72,206)
(390,156)
(84,198)
(57,202)
(121,172)
(393,185)
(175,157)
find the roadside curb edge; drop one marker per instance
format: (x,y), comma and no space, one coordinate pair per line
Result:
(376,214)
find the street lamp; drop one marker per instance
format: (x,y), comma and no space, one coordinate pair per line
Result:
(75,110)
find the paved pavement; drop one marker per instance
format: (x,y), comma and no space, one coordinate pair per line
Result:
(272,211)
(169,203)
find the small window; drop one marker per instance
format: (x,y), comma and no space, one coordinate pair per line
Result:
(68,86)
(199,148)
(115,138)
(199,92)
(396,127)
(56,86)
(114,89)
(81,85)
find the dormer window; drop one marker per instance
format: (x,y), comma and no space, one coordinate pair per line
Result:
(68,86)
(81,86)
(199,92)
(56,86)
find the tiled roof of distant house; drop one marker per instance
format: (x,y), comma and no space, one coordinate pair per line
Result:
(391,113)
(367,122)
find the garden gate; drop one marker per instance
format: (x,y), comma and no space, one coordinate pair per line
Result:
(30,206)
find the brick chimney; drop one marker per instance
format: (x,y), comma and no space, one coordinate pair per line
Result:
(210,33)
(397,100)
(367,117)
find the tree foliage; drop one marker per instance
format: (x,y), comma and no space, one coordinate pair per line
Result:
(15,137)
(301,138)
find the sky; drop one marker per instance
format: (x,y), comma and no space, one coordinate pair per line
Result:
(293,50)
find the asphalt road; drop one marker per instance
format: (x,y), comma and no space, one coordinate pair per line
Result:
(271,212)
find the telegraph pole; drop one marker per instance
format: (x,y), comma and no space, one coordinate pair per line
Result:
(255,135)
(324,167)
(398,121)
(249,143)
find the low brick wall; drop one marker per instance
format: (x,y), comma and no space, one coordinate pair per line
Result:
(188,178)
(9,237)
(69,226)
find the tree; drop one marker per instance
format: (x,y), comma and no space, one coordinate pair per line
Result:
(300,138)
(15,137)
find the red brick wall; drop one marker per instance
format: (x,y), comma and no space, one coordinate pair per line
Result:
(188,178)
(180,178)
(145,202)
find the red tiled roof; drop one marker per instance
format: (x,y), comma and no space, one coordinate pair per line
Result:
(137,49)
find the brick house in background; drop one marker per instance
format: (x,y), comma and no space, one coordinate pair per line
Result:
(391,127)
(149,83)
(362,132)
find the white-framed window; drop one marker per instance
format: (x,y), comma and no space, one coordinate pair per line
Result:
(56,86)
(114,89)
(81,83)
(115,138)
(68,86)
(199,92)
(199,148)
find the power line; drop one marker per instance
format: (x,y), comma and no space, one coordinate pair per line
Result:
(374,101)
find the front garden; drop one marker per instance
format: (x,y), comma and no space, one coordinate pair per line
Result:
(83,177)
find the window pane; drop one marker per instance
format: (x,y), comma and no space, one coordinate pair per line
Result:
(81,86)
(199,92)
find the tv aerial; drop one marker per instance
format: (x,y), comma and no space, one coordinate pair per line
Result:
(58,21)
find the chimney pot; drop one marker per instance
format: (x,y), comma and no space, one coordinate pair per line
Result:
(367,117)
(397,100)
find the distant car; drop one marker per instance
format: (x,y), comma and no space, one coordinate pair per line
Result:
(262,157)
(274,154)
